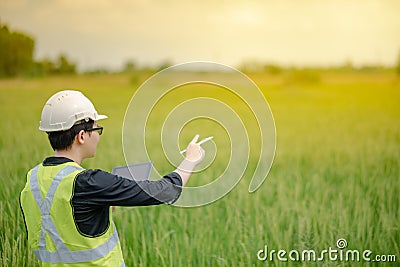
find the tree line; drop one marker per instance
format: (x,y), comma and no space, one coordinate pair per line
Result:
(16,57)
(17,48)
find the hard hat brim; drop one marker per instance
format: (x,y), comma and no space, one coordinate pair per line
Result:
(101,117)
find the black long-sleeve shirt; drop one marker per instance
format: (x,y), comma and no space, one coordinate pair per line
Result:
(96,190)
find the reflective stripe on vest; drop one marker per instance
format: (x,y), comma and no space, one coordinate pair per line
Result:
(62,254)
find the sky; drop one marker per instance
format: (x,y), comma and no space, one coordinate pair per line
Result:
(105,33)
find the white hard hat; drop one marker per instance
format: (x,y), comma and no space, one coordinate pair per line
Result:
(64,109)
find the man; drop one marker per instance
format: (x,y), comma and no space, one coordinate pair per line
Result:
(67,208)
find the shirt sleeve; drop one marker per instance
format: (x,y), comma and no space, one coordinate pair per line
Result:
(100,188)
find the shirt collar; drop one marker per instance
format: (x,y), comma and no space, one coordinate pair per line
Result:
(52,161)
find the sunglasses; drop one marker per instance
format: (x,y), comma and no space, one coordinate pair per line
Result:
(97,129)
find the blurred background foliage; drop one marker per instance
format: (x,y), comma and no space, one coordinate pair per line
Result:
(17,60)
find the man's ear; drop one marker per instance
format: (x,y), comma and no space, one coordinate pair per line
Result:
(80,137)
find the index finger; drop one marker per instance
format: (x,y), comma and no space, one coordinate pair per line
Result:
(194,141)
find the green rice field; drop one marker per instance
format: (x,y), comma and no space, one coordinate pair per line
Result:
(335,174)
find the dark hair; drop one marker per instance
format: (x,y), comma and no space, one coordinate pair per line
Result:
(64,139)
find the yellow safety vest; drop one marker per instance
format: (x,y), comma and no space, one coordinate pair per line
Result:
(52,233)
